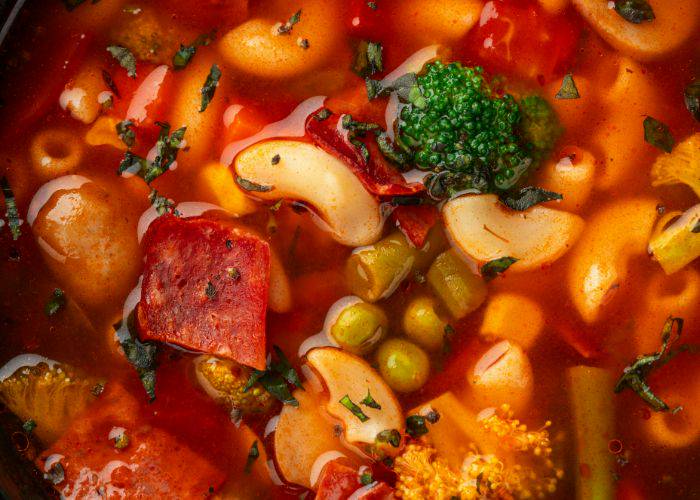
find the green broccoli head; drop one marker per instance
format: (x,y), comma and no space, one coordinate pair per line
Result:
(471,138)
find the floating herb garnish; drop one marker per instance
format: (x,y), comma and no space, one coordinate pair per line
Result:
(125,58)
(209,87)
(658,134)
(162,204)
(275,378)
(496,266)
(141,355)
(11,211)
(391,436)
(253,455)
(186,52)
(29,426)
(527,197)
(354,409)
(252,186)
(568,88)
(370,402)
(368,59)
(286,28)
(126,132)
(692,99)
(416,426)
(56,302)
(634,11)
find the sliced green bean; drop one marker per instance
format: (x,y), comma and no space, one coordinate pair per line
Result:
(460,290)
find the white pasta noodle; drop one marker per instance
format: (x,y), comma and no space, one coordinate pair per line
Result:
(55,152)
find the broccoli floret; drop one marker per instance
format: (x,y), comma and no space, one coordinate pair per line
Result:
(455,125)
(226,381)
(539,126)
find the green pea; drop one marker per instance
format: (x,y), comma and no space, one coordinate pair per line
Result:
(403,365)
(422,324)
(360,327)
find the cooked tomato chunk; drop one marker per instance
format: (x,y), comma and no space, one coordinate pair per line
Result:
(340,482)
(205,287)
(415,221)
(110,452)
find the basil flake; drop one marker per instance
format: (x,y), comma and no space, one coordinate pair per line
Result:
(416,426)
(568,88)
(370,402)
(692,99)
(162,204)
(286,28)
(186,52)
(391,436)
(528,197)
(658,134)
(275,377)
(253,455)
(11,212)
(634,11)
(56,303)
(141,355)
(354,409)
(403,86)
(368,59)
(634,376)
(252,186)
(126,133)
(496,266)
(125,58)
(322,114)
(28,426)
(167,148)
(366,478)
(209,88)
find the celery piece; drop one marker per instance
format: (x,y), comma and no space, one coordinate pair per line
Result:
(593,411)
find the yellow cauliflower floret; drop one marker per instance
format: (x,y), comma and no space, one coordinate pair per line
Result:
(225,381)
(51,396)
(523,470)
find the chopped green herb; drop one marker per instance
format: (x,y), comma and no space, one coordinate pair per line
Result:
(275,159)
(692,99)
(416,426)
(322,114)
(229,244)
(107,78)
(634,11)
(126,133)
(372,5)
(121,441)
(286,28)
(125,58)
(29,426)
(354,409)
(252,186)
(658,134)
(253,455)
(56,474)
(403,86)
(97,389)
(370,402)
(366,478)
(210,85)
(186,52)
(568,88)
(162,204)
(11,212)
(528,197)
(233,273)
(696,227)
(368,59)
(167,147)
(56,302)
(389,151)
(391,436)
(275,377)
(303,43)
(634,376)
(496,266)
(210,290)
(141,355)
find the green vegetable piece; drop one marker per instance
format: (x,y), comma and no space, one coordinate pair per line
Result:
(141,355)
(125,58)
(370,402)
(634,376)
(167,148)
(11,212)
(374,272)
(593,415)
(209,87)
(460,290)
(568,88)
(658,134)
(286,28)
(496,267)
(540,127)
(354,409)
(56,303)
(692,99)
(390,436)
(634,11)
(528,197)
(252,186)
(422,324)
(368,59)
(366,478)
(253,455)
(416,426)
(28,426)
(126,133)
(403,365)
(359,327)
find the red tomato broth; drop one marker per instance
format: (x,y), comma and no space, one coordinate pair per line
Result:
(315,263)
